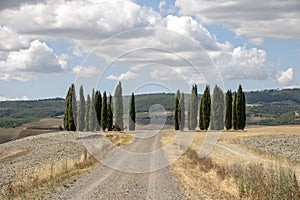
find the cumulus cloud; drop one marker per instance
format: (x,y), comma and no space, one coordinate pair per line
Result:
(122,77)
(277,19)
(242,63)
(10,40)
(86,71)
(285,78)
(38,58)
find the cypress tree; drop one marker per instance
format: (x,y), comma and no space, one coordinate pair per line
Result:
(228,111)
(92,113)
(118,107)
(110,114)
(66,113)
(104,112)
(217,120)
(87,113)
(234,113)
(98,107)
(181,112)
(81,110)
(189,114)
(74,108)
(132,113)
(193,108)
(206,108)
(201,115)
(240,108)
(176,111)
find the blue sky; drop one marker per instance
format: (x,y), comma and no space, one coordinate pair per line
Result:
(151,46)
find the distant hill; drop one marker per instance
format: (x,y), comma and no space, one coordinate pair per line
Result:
(267,107)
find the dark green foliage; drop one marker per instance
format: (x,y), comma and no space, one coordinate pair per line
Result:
(217,120)
(181,112)
(110,114)
(189,115)
(193,108)
(234,112)
(92,113)
(205,109)
(81,111)
(98,108)
(14,122)
(240,109)
(104,112)
(69,123)
(132,113)
(74,104)
(228,110)
(201,115)
(118,105)
(176,111)
(87,113)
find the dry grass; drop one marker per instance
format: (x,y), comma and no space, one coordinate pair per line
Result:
(7,134)
(119,138)
(213,178)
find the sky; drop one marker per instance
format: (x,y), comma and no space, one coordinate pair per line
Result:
(150,46)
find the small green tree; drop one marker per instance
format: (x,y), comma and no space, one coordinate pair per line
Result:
(181,112)
(98,108)
(228,111)
(81,111)
(110,114)
(118,107)
(87,113)
(132,113)
(104,112)
(234,112)
(176,111)
(69,122)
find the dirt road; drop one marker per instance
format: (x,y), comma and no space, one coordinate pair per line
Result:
(134,171)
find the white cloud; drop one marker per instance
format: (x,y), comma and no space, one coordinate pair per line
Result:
(37,58)
(254,18)
(86,71)
(122,77)
(11,40)
(242,63)
(285,78)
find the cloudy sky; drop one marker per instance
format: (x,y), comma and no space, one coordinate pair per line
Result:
(151,46)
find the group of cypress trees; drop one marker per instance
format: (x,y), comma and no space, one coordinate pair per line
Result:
(211,110)
(96,112)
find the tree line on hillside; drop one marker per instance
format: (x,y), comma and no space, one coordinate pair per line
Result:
(96,112)
(216,112)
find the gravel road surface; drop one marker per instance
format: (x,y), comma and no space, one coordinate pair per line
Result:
(134,171)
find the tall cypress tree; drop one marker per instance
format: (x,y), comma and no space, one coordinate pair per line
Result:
(206,108)
(181,112)
(110,114)
(234,113)
(132,113)
(193,108)
(104,112)
(98,107)
(66,113)
(92,113)
(87,113)
(74,108)
(228,111)
(217,119)
(81,110)
(176,111)
(118,107)
(189,114)
(240,108)
(201,115)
